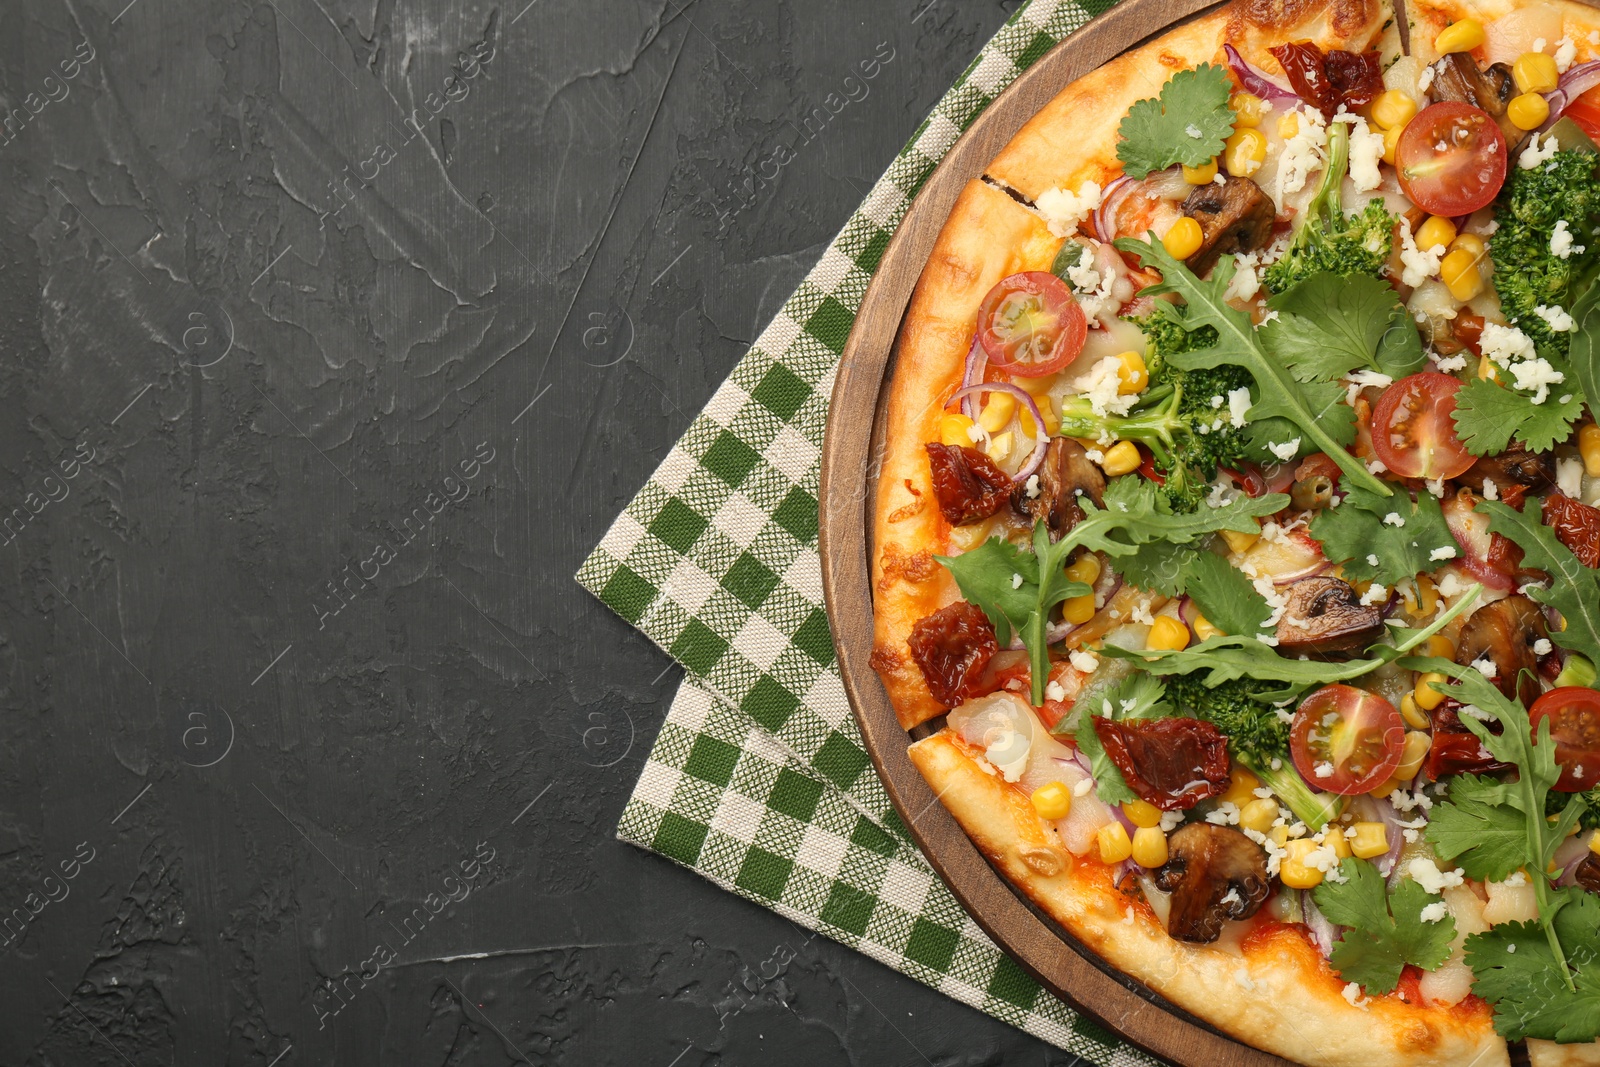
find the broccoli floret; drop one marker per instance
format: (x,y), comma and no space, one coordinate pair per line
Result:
(1328,240)
(1527,274)
(1589,820)
(1257,738)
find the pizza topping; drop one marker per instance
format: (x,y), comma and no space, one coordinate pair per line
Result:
(968,484)
(1573,712)
(1451,159)
(1170,763)
(1577,525)
(1214,874)
(1384,931)
(1324,616)
(1504,634)
(1030,325)
(1517,465)
(1413,429)
(1234,216)
(1331,81)
(1458,79)
(1065,475)
(952,647)
(1357,734)
(1156,133)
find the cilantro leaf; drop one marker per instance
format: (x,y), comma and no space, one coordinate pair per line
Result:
(1386,931)
(1188,123)
(1536,992)
(1137,696)
(1480,829)
(1488,415)
(1314,413)
(1330,325)
(1224,659)
(1574,589)
(1355,532)
(1225,595)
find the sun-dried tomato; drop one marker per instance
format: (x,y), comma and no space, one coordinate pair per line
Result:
(1576,524)
(1468,329)
(1172,763)
(968,483)
(1327,80)
(1459,753)
(952,647)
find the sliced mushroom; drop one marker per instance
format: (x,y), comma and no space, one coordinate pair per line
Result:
(1458,77)
(1504,633)
(1588,873)
(1234,216)
(1214,873)
(1323,616)
(1067,472)
(1515,466)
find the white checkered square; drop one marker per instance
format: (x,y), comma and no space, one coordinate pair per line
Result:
(740,520)
(689,587)
(994,70)
(938,137)
(725,403)
(780,333)
(623,535)
(760,642)
(792,454)
(821,851)
(738,816)
(657,782)
(906,887)
(675,470)
(804,576)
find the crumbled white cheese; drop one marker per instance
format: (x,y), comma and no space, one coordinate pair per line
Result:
(1566,52)
(1491,489)
(1375,594)
(1083,661)
(1505,343)
(1170,821)
(1537,153)
(1238,405)
(1278,602)
(1425,79)
(1557,317)
(1561,245)
(1016,580)
(1393,519)
(1094,290)
(1031,487)
(1418,264)
(1245,283)
(1434,912)
(1542,647)
(1537,376)
(1083,787)
(1366,152)
(1323,770)
(1516,879)
(1569,477)
(1064,211)
(1284,450)
(1194,131)
(1053,690)
(1436,488)
(1486,667)
(1451,364)
(1141,613)
(1472,711)
(1303,154)
(1270,642)
(1226,814)
(1101,388)
(1372,559)
(1447,552)
(1426,873)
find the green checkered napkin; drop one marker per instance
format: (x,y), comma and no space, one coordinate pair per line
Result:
(759,780)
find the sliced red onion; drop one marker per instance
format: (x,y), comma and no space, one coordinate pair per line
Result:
(1574,83)
(1187,611)
(1254,81)
(977,365)
(966,392)
(1568,856)
(1310,571)
(1169,184)
(1323,932)
(1105,216)
(1397,841)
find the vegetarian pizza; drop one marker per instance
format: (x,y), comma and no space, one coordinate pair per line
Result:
(1237,539)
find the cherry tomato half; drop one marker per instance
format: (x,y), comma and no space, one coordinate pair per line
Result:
(1585,111)
(1574,714)
(1030,325)
(1346,740)
(1414,429)
(1451,159)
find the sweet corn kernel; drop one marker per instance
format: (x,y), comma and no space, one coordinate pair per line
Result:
(1386,788)
(1594,842)
(1245,151)
(1167,634)
(1247,109)
(1204,628)
(1085,569)
(1241,787)
(1293,870)
(956,429)
(1142,813)
(1471,242)
(1460,274)
(1132,375)
(1259,815)
(1183,239)
(1078,610)
(1391,143)
(1240,542)
(1394,108)
(1149,846)
(1412,715)
(1487,370)
(1278,835)
(1424,599)
(1114,844)
(1047,412)
(1036,387)
(1288,125)
(1589,448)
(997,412)
(1437,232)
(1000,446)
(1372,839)
(1121,458)
(1528,111)
(1338,842)
(1461,36)
(1203,174)
(1052,801)
(1535,72)
(1426,696)
(1441,646)
(1411,757)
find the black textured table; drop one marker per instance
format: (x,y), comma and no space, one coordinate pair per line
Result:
(335,335)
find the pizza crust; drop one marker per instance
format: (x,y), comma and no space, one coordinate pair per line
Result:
(1278,994)
(1550,1054)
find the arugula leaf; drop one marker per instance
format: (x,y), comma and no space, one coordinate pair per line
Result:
(1534,993)
(1574,589)
(1480,829)
(1354,533)
(1137,696)
(1224,659)
(1225,595)
(1278,394)
(1017,591)
(1187,124)
(1386,931)
(1330,325)
(1488,415)
(1582,351)
(1135,514)
(1156,568)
